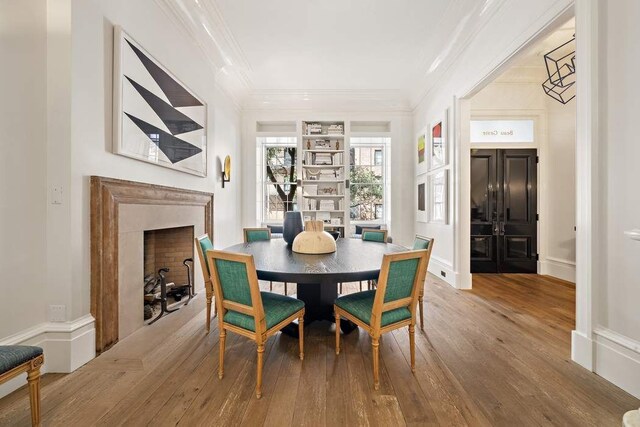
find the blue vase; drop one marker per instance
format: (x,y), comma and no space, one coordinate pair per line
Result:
(292,226)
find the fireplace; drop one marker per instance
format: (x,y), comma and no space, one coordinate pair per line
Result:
(121,213)
(168,270)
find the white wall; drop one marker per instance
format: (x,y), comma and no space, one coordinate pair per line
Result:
(616,295)
(401,194)
(23,163)
(518,94)
(58,130)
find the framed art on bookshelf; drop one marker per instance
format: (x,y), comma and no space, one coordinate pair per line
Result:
(438,142)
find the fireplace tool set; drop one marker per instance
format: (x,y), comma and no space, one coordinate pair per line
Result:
(159,282)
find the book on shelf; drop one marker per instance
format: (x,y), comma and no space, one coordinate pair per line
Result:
(310,190)
(327,205)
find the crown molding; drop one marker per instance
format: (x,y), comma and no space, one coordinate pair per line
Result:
(203,23)
(329,100)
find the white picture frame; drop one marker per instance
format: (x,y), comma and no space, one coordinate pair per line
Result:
(421,198)
(156,118)
(438,150)
(438,191)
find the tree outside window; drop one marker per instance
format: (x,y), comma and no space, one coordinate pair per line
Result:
(366,177)
(279,181)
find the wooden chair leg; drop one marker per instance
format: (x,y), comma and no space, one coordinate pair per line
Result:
(376,372)
(412,347)
(209,298)
(259,374)
(360,286)
(270,286)
(285,288)
(223,337)
(337,333)
(421,308)
(33,377)
(340,285)
(301,335)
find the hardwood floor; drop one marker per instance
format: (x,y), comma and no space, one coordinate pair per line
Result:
(496,355)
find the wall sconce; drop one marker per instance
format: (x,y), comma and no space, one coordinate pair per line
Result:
(226,170)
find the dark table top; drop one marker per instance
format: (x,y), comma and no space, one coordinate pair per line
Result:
(353,261)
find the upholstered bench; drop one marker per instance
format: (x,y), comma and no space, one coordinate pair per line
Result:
(18,359)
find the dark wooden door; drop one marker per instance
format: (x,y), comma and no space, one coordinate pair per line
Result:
(504,211)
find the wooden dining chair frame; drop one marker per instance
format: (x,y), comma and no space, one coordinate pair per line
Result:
(246,240)
(32,368)
(208,286)
(374,329)
(424,279)
(256,311)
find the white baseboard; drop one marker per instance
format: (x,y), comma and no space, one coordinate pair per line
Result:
(617,359)
(66,345)
(582,350)
(438,266)
(560,268)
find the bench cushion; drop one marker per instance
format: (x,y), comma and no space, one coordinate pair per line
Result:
(15,355)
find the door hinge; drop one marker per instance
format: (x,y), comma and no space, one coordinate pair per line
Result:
(537,159)
(537,217)
(537,257)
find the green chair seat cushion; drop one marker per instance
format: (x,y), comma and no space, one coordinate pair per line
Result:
(15,355)
(276,309)
(360,304)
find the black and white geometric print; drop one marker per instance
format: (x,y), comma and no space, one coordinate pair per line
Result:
(161,121)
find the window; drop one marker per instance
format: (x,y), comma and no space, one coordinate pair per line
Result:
(278,177)
(367,178)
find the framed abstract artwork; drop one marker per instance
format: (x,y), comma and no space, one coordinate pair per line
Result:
(421,214)
(422,153)
(438,144)
(157,119)
(439,197)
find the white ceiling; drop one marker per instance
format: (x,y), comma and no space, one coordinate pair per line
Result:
(276,50)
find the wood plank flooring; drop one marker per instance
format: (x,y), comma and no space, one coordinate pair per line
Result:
(496,355)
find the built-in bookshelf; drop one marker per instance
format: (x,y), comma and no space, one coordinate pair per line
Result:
(324,169)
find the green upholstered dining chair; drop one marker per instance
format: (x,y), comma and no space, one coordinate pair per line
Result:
(244,310)
(203,244)
(18,359)
(392,305)
(426,243)
(256,235)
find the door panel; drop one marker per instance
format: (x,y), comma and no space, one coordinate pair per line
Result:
(519,226)
(503,211)
(483,211)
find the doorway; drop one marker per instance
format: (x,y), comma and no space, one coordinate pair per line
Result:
(504,230)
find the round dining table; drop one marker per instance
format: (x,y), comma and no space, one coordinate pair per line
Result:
(317,276)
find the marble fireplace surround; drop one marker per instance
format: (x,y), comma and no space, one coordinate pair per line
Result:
(120,213)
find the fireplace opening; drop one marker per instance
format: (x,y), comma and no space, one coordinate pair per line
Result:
(168,271)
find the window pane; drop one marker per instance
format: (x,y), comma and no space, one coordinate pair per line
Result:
(366,202)
(279,199)
(280,164)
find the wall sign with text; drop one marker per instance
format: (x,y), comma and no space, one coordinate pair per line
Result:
(484,131)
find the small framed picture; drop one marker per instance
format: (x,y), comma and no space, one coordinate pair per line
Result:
(336,221)
(422,153)
(438,144)
(439,197)
(421,214)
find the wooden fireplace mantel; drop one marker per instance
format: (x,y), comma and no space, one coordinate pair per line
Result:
(106,195)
